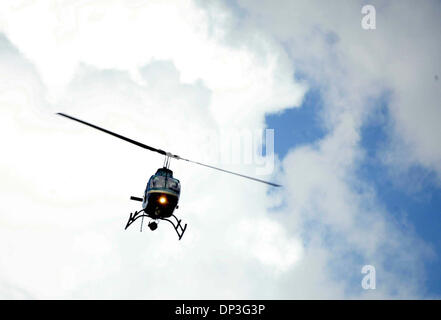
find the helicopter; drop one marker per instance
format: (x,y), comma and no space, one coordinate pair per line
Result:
(161,195)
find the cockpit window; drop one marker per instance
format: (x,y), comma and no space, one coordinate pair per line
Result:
(173,184)
(157,182)
(165,182)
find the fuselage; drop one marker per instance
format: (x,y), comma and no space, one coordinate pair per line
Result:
(161,195)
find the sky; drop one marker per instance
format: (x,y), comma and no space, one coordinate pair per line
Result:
(355,116)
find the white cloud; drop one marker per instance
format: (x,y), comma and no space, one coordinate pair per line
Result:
(400,55)
(66,187)
(351,66)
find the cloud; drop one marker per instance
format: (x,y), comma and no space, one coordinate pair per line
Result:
(126,36)
(351,64)
(68,187)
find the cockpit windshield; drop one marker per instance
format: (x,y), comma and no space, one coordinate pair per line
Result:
(157,182)
(173,185)
(165,182)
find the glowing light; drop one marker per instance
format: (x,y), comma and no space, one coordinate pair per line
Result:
(162,200)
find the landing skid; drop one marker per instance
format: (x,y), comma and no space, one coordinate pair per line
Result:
(140,214)
(178,227)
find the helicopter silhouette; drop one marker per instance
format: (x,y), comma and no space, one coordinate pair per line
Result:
(162,192)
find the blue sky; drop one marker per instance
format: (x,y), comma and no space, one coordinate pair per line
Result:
(420,206)
(297,126)
(413,208)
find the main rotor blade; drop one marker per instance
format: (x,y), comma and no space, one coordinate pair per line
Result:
(168,154)
(231,172)
(139,144)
